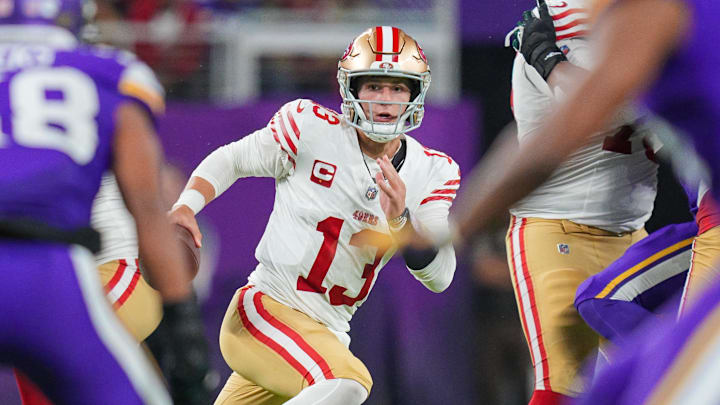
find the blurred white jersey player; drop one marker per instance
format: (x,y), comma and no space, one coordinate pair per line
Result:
(347,187)
(136,303)
(583,217)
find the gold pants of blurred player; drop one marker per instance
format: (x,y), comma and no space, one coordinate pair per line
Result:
(548,260)
(276,351)
(138,305)
(704,267)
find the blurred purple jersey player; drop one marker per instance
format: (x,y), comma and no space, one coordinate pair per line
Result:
(647,280)
(67,113)
(668,363)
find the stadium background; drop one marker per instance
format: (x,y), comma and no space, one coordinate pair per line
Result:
(228,65)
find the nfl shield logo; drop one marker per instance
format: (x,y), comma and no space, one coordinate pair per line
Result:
(371,193)
(563,248)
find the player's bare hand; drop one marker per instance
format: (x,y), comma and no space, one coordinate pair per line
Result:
(183,216)
(392,198)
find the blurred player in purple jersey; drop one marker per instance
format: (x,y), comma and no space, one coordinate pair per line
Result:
(666,362)
(643,283)
(67,114)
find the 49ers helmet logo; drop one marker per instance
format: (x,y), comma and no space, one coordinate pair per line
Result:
(347,51)
(420,51)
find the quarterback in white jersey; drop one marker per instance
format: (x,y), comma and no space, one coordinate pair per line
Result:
(347,187)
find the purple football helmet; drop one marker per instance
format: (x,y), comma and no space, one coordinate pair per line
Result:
(64,13)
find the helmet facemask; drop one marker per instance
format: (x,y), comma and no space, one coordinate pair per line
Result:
(363,59)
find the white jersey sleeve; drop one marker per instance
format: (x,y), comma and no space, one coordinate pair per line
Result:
(431,215)
(268,152)
(608,183)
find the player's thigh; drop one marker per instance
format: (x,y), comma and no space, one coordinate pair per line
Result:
(240,391)
(138,305)
(548,262)
(705,265)
(281,349)
(70,342)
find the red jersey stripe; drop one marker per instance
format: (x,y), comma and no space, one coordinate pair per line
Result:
(293,125)
(582,33)
(128,291)
(292,335)
(275,135)
(378,43)
(444,191)
(452,182)
(569,12)
(122,264)
(571,25)
(257,334)
(533,307)
(435,198)
(286,135)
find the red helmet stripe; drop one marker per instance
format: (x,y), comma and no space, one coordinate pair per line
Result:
(378,43)
(396,43)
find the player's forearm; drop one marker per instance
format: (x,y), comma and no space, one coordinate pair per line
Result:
(438,274)
(215,174)
(565,76)
(162,255)
(433,266)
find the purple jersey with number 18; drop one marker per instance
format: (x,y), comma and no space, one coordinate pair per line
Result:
(58,104)
(56,112)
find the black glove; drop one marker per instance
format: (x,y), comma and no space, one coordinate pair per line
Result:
(535,38)
(180,348)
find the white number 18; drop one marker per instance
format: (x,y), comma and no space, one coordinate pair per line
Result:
(74,130)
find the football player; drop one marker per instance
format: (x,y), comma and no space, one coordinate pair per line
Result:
(658,47)
(584,216)
(68,113)
(347,186)
(666,60)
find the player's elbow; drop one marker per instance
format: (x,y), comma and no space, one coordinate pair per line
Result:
(438,276)
(438,286)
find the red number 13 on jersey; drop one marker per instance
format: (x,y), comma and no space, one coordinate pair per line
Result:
(330,228)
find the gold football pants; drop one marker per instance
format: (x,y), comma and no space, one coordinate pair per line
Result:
(548,260)
(138,305)
(275,351)
(704,266)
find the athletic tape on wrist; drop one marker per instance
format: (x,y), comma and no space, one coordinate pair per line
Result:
(192,198)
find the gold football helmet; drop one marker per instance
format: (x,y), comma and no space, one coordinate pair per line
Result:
(383,51)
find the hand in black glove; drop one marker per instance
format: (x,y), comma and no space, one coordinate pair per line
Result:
(534,37)
(180,348)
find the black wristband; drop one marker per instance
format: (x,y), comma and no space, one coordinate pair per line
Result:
(417,259)
(546,58)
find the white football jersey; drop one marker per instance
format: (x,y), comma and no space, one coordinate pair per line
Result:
(611,182)
(327,237)
(110,217)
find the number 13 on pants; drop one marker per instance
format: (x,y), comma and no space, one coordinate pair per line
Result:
(330,228)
